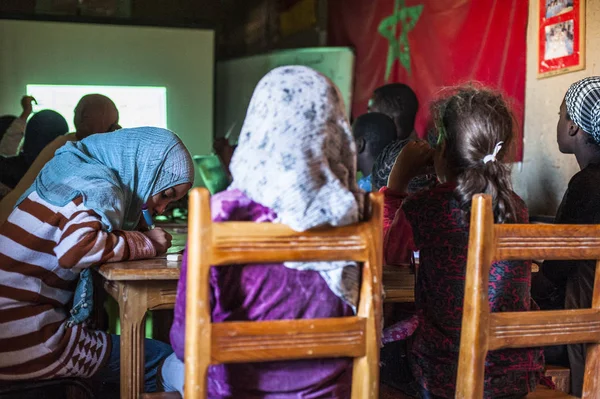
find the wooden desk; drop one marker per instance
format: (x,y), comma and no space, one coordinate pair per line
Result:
(139,286)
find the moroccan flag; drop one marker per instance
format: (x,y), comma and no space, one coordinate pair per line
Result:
(432,44)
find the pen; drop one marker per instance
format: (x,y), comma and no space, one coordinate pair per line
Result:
(147,217)
(230,131)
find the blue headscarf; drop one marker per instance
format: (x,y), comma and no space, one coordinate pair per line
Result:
(115,173)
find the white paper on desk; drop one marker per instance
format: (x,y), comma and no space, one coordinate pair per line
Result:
(176,249)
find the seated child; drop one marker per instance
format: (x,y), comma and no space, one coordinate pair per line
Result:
(578,133)
(475,128)
(294,164)
(94,113)
(382,167)
(82,211)
(399,102)
(372,133)
(42,128)
(12,129)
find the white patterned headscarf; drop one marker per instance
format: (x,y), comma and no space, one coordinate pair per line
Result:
(296,155)
(583,105)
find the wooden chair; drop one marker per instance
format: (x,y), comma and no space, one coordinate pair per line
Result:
(217,244)
(483,331)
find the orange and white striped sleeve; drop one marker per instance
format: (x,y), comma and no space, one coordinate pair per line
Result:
(84,242)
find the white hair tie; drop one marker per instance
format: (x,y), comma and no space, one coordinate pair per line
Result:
(492,157)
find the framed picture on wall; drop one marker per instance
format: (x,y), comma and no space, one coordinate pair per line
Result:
(561,36)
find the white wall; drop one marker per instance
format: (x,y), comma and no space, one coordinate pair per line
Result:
(182,60)
(543,177)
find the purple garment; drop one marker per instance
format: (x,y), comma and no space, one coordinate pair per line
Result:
(265,292)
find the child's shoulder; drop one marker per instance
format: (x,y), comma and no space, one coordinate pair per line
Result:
(518,200)
(435,199)
(520,208)
(587,178)
(434,193)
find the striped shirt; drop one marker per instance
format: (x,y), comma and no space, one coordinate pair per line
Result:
(42,250)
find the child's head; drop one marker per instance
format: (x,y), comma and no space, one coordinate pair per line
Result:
(399,102)
(295,153)
(95,113)
(42,128)
(117,173)
(372,133)
(579,123)
(475,129)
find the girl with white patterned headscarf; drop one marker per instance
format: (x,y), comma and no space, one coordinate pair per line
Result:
(296,156)
(295,164)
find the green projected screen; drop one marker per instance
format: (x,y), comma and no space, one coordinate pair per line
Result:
(138,106)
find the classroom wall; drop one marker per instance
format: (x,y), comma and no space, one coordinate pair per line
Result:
(237,78)
(182,60)
(544,174)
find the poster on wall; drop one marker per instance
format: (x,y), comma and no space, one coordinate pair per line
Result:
(561,47)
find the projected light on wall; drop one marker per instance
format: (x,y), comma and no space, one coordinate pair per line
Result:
(138,105)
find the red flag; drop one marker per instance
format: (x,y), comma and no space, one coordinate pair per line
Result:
(432,44)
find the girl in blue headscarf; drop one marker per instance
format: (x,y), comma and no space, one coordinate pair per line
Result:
(82,211)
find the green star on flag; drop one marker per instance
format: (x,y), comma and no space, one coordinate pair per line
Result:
(399,47)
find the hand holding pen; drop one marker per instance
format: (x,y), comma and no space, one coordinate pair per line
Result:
(159,237)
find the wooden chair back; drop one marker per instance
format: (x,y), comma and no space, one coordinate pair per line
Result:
(231,243)
(483,331)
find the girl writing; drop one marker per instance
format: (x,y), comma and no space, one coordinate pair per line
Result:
(82,211)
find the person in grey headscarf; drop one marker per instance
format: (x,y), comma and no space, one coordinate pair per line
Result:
(578,133)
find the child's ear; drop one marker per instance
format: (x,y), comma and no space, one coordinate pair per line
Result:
(573,128)
(361,144)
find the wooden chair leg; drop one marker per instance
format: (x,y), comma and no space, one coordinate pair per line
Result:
(365,373)
(474,338)
(132,307)
(591,380)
